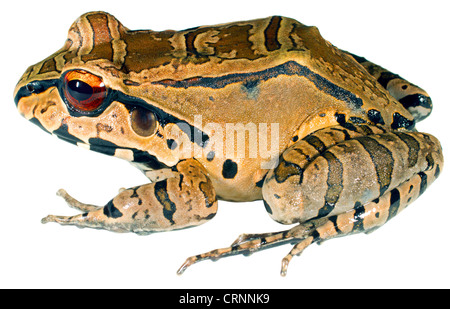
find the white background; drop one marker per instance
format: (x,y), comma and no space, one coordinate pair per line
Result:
(410,38)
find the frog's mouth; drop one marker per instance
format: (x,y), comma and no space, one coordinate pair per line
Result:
(105,147)
(139,156)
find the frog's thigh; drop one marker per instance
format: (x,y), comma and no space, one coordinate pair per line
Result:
(184,200)
(349,174)
(333,198)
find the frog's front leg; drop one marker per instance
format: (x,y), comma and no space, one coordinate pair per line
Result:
(186,199)
(339,181)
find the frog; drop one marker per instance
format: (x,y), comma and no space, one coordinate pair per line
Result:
(346,159)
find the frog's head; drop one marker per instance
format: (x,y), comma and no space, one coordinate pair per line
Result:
(87,94)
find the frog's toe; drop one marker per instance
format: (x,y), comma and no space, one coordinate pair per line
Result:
(245,244)
(297,250)
(49,218)
(63,220)
(72,202)
(57,219)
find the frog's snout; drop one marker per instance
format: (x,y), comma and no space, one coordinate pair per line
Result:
(33,87)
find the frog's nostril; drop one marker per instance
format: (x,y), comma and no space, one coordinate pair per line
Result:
(35,87)
(30,88)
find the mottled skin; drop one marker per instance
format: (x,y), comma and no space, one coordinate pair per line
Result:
(348,156)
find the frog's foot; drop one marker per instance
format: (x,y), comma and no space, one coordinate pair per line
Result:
(73,203)
(246,244)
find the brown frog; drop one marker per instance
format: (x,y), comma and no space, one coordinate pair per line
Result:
(263,109)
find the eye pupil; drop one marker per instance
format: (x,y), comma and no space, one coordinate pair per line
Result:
(84,92)
(80,90)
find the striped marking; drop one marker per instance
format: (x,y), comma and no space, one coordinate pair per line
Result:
(169,207)
(413,147)
(111,211)
(285,169)
(189,40)
(414,100)
(400,121)
(382,160)
(394,203)
(101,39)
(290,68)
(271,34)
(316,142)
(423,182)
(386,77)
(334,183)
(358,218)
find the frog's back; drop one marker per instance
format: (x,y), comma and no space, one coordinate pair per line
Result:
(239,70)
(242,70)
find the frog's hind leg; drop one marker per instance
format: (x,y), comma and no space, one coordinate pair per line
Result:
(360,218)
(412,97)
(339,181)
(349,186)
(363,218)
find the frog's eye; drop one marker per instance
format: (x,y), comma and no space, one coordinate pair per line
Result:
(84,91)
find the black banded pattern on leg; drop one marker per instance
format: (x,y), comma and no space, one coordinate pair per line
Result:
(310,156)
(360,218)
(342,168)
(382,160)
(334,183)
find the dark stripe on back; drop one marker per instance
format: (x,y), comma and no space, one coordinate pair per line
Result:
(102,46)
(289,68)
(189,39)
(271,34)
(382,160)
